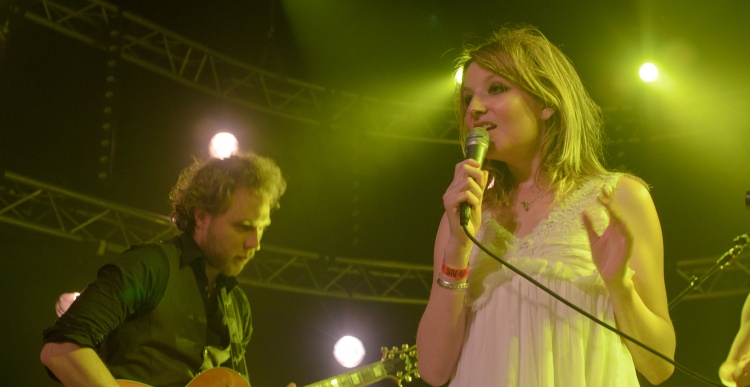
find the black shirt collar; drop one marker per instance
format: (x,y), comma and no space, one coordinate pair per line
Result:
(193,256)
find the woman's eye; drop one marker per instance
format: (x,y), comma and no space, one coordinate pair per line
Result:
(498,88)
(467,100)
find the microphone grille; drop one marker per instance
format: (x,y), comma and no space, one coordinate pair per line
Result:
(478,135)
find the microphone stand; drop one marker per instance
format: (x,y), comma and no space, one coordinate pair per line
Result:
(740,242)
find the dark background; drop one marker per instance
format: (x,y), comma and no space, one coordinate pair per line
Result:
(687,136)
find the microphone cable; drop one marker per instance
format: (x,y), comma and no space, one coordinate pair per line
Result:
(589,315)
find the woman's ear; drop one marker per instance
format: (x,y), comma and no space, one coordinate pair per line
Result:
(547,113)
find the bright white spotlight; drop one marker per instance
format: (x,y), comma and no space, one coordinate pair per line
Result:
(649,72)
(349,351)
(459,76)
(223,145)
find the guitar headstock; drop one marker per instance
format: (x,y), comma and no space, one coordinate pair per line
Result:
(400,363)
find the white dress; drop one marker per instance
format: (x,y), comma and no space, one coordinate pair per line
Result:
(518,335)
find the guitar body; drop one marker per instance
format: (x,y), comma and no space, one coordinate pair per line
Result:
(396,364)
(215,377)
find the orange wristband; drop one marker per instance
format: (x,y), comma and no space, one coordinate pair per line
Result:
(456,274)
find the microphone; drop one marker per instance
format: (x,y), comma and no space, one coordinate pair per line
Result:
(476,148)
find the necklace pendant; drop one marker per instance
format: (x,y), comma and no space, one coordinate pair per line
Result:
(525,206)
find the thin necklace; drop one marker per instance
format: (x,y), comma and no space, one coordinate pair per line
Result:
(525,204)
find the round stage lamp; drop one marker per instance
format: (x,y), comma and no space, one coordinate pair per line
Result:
(349,351)
(223,145)
(648,72)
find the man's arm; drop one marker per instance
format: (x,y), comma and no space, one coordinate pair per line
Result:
(76,366)
(134,282)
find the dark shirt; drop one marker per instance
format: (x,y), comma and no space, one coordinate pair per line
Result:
(132,285)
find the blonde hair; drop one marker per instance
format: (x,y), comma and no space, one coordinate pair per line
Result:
(572,143)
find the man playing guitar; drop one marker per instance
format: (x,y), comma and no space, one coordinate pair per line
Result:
(163,313)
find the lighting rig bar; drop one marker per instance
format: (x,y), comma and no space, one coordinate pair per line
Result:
(159,50)
(164,52)
(44,208)
(110,227)
(316,274)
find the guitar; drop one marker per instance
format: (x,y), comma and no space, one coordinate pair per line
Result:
(396,364)
(215,377)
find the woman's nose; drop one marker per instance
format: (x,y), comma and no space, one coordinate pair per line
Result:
(476,108)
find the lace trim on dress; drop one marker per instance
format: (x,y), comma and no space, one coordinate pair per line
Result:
(558,247)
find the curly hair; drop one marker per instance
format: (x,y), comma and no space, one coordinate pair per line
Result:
(210,185)
(572,145)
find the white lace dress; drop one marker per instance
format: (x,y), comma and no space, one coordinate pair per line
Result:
(518,335)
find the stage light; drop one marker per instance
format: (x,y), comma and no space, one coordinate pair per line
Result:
(349,351)
(223,145)
(648,72)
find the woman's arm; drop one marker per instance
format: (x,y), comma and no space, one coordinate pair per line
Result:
(441,330)
(633,238)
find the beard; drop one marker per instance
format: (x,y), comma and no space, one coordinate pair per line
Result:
(221,257)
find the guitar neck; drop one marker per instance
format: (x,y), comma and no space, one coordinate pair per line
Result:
(361,376)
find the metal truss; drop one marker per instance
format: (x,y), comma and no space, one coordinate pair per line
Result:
(180,59)
(166,53)
(317,274)
(111,228)
(40,207)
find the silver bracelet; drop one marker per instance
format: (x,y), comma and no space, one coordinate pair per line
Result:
(445,284)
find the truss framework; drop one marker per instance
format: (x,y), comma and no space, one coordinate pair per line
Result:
(41,207)
(112,228)
(166,53)
(316,274)
(30,204)
(173,56)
